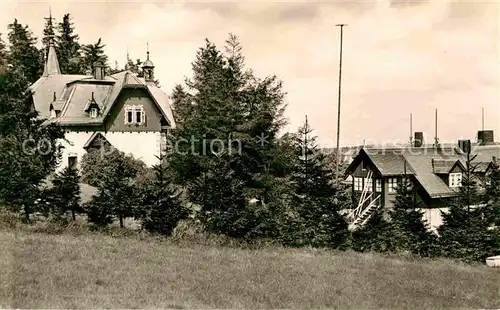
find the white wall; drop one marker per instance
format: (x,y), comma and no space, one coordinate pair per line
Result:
(141,145)
(433,217)
(75,147)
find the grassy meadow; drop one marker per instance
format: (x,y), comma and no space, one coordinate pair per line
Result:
(93,270)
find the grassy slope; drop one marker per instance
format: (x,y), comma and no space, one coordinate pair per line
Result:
(49,271)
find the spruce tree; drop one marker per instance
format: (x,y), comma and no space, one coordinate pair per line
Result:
(224,108)
(3,56)
(65,194)
(68,48)
(93,53)
(48,33)
(408,230)
(28,148)
(375,235)
(113,173)
(24,56)
(492,193)
(317,199)
(161,210)
(466,232)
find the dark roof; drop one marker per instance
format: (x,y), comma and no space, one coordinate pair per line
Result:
(390,163)
(419,163)
(74,91)
(485,153)
(444,166)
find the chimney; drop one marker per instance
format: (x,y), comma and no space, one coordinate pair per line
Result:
(485,137)
(465,146)
(98,71)
(419,139)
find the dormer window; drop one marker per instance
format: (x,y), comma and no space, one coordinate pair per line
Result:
(455,179)
(93,112)
(135,115)
(92,108)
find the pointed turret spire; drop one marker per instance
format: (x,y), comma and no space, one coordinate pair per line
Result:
(148,67)
(51,63)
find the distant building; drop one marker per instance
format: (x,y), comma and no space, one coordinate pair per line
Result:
(435,174)
(128,112)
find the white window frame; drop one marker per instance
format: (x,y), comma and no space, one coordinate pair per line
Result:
(139,110)
(129,109)
(455,179)
(358,184)
(392,184)
(378,185)
(93,112)
(369,187)
(134,110)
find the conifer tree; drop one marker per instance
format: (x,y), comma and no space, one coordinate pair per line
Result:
(28,148)
(317,198)
(113,173)
(492,193)
(93,53)
(48,33)
(65,194)
(24,56)
(3,56)
(375,235)
(161,210)
(408,230)
(466,232)
(225,108)
(68,48)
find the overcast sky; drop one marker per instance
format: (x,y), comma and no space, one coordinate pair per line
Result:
(399,56)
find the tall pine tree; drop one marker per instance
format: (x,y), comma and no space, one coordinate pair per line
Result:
(24,56)
(28,148)
(3,56)
(48,33)
(224,110)
(466,232)
(93,53)
(161,209)
(68,48)
(408,230)
(317,199)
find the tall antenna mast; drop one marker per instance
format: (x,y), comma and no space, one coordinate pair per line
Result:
(337,159)
(436,140)
(411,131)
(482,119)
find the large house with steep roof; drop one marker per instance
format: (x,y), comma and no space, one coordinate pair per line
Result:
(126,111)
(434,172)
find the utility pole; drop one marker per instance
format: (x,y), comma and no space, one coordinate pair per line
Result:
(411,130)
(482,119)
(338,111)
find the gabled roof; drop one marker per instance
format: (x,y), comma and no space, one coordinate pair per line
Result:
(73,93)
(413,161)
(485,153)
(483,167)
(95,137)
(421,161)
(390,163)
(386,162)
(445,166)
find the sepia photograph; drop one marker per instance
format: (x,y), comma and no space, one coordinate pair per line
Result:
(272,154)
